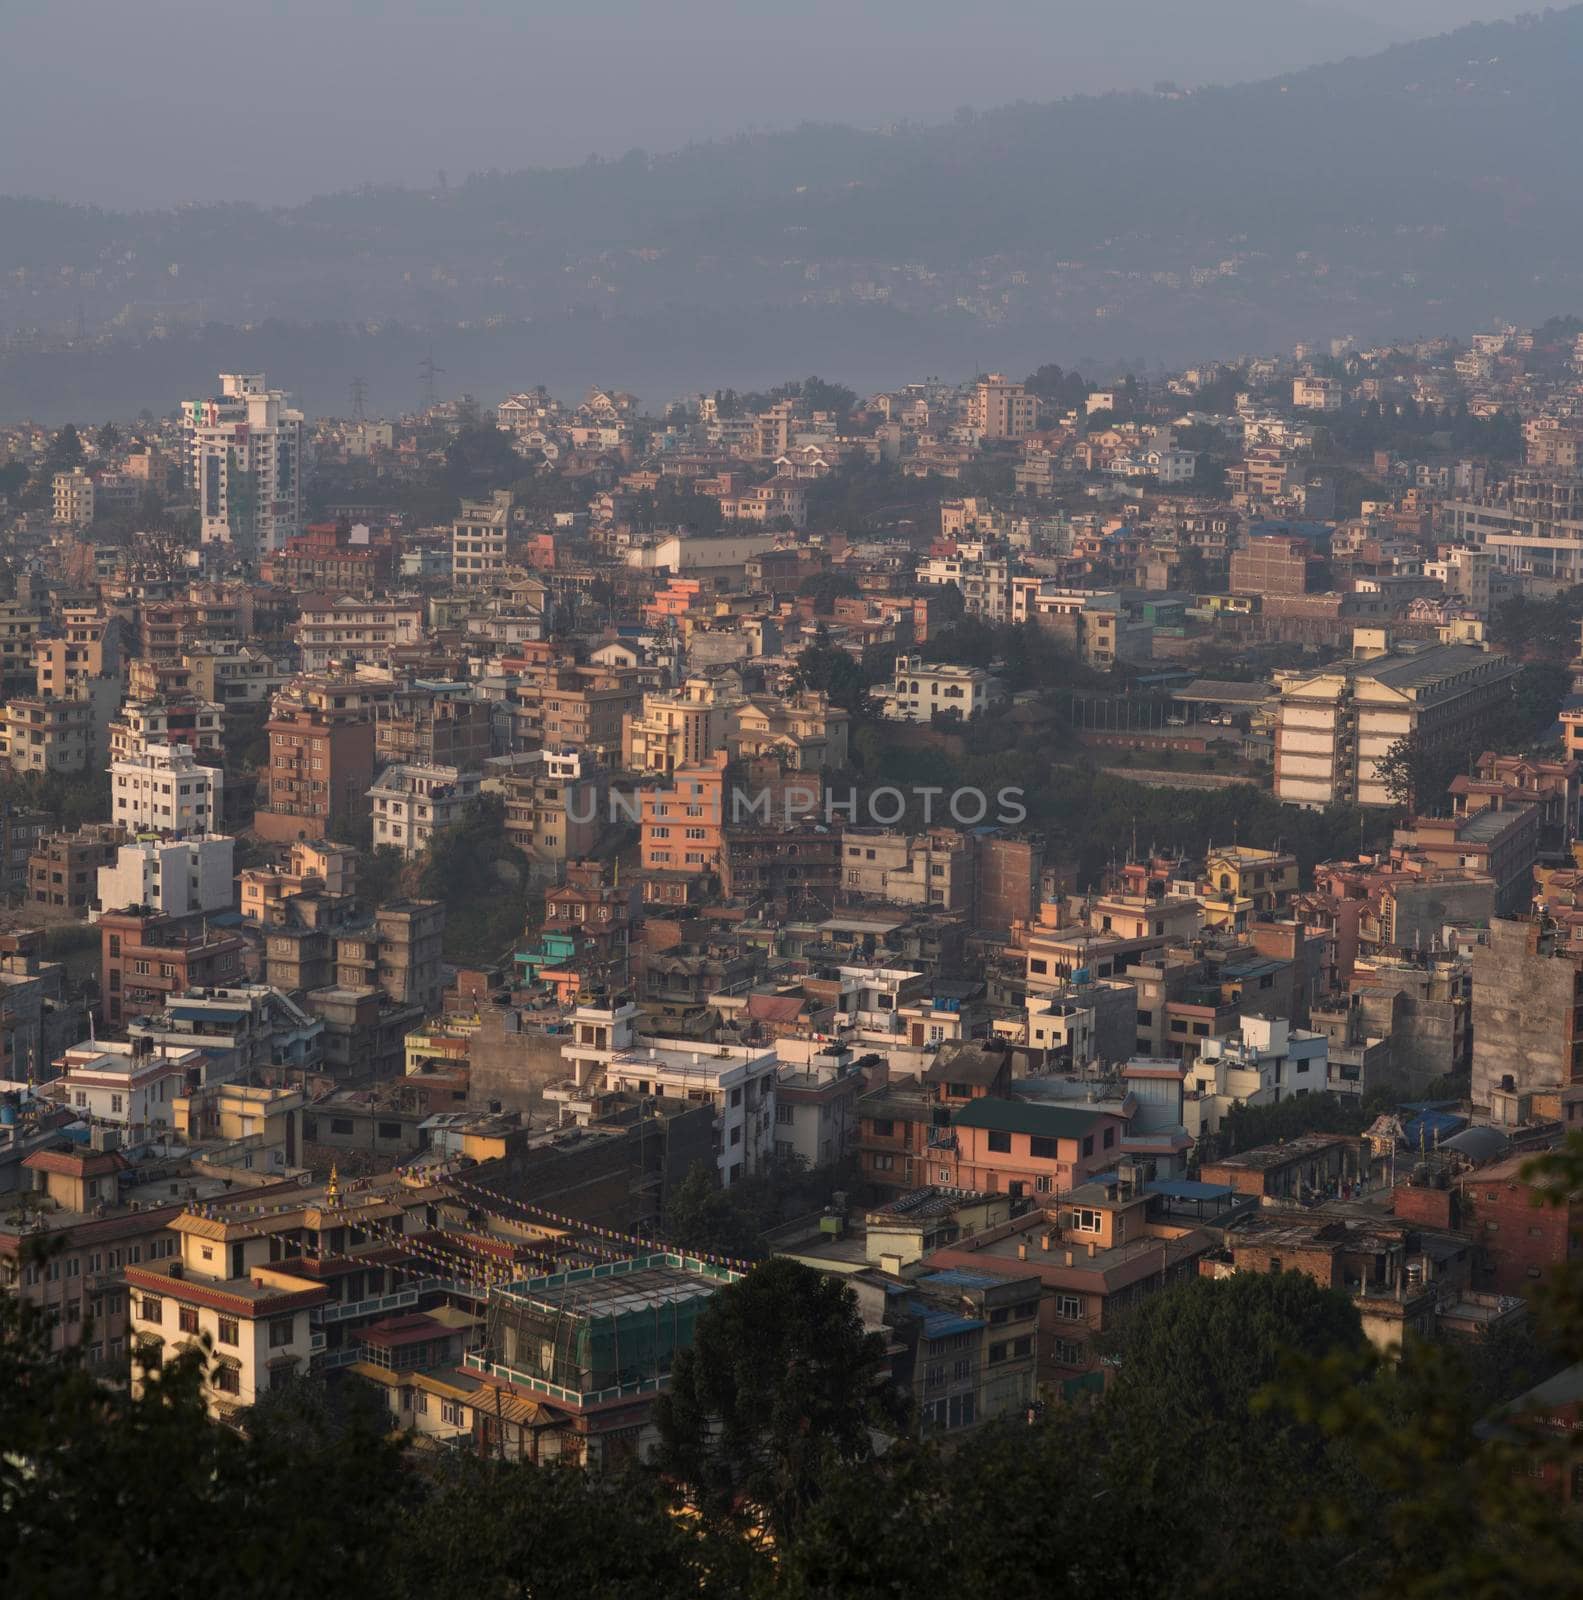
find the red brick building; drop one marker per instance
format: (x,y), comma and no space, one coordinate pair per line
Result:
(145,959)
(321,764)
(1519,1237)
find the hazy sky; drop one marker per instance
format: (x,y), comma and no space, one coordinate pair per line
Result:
(127,104)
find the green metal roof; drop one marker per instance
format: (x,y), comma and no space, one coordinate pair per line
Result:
(1021,1116)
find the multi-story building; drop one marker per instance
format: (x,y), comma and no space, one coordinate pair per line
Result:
(177,719)
(425,727)
(1000,409)
(923,689)
(585,708)
(479,539)
(145,958)
(19,628)
(737,1080)
(412,803)
(74,498)
(165,790)
(20,833)
(340,629)
(802,731)
(334,558)
(1241,884)
(321,764)
(926,869)
(313,867)
(1533,525)
(1527,1013)
(1274,563)
(60,733)
(88,647)
(676,726)
(233,675)
(1317,394)
(244,464)
(555,807)
(174,878)
(63,869)
(1335,726)
(258,1326)
(91,1240)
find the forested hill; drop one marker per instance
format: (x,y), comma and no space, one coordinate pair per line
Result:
(1424,188)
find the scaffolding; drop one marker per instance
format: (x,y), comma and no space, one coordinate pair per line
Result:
(598,1331)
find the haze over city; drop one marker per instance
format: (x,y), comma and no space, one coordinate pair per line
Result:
(275,103)
(791,800)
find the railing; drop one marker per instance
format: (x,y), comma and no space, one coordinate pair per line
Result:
(398,1300)
(555,1391)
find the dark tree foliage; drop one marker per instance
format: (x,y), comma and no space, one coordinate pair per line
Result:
(834,671)
(781,1383)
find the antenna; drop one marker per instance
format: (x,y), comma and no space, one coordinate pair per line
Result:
(359,399)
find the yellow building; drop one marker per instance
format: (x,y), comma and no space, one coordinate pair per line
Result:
(1241,884)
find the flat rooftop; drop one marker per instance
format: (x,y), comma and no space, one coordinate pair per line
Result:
(646,1283)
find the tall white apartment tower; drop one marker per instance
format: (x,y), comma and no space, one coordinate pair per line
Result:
(244,463)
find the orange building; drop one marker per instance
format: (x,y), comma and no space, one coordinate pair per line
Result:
(683,827)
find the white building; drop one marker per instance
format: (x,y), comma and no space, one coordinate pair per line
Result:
(165,790)
(737,1080)
(175,877)
(244,463)
(816,1094)
(478,541)
(1266,1061)
(413,802)
(922,688)
(125,1085)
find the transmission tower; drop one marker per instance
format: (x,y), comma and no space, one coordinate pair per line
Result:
(427,372)
(359,400)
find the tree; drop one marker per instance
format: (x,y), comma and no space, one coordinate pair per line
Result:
(65,451)
(834,672)
(704,1217)
(1404,772)
(824,588)
(781,1382)
(107,439)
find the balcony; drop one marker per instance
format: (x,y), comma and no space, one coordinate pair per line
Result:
(399,1300)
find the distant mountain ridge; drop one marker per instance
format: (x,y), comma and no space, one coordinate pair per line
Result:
(1413,190)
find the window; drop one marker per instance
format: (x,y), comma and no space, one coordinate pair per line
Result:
(884,1128)
(997,1352)
(187,1319)
(229,1332)
(1086,1221)
(1069,1307)
(1042,1149)
(1110,1137)
(280,1329)
(999,1142)
(228,1380)
(1088,1144)
(884,1163)
(1069,1352)
(152,1309)
(451,1413)
(783,1113)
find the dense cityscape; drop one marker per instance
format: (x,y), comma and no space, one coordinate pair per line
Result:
(803,991)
